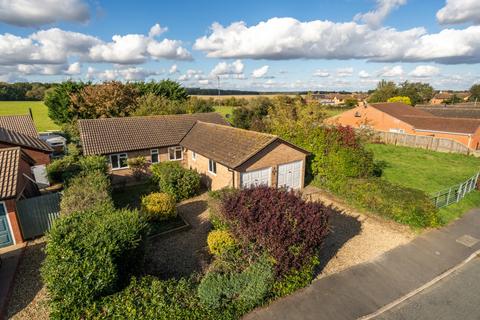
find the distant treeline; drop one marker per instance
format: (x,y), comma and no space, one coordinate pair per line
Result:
(23,91)
(223,92)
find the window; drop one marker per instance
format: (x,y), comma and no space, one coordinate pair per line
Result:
(154,156)
(212,166)
(119,161)
(194,155)
(397,130)
(175,153)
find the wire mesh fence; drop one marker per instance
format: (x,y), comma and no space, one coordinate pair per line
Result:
(455,193)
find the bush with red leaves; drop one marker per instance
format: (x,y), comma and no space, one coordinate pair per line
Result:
(279,222)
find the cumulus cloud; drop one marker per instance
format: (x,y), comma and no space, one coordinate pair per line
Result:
(425,71)
(223,68)
(363,74)
(74,68)
(345,72)
(156,30)
(321,73)
(391,71)
(173,69)
(375,18)
(34,13)
(192,74)
(260,72)
(288,38)
(127,74)
(459,11)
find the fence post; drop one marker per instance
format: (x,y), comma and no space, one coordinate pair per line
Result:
(448,196)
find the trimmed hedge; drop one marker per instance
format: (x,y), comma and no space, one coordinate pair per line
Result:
(405,205)
(220,241)
(89,255)
(158,206)
(64,169)
(86,191)
(174,179)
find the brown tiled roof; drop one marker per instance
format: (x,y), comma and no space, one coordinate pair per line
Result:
(110,135)
(9,164)
(21,124)
(226,145)
(23,140)
(423,120)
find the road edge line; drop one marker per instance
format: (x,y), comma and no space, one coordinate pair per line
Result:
(419,289)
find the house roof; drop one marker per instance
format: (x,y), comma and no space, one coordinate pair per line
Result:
(224,144)
(111,135)
(9,170)
(423,120)
(20,123)
(23,140)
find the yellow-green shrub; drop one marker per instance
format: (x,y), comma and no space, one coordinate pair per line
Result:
(219,241)
(159,206)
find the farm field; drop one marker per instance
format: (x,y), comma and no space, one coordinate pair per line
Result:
(39,111)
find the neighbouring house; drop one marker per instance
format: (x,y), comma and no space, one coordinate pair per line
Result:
(402,118)
(20,131)
(335,98)
(223,155)
(16,182)
(443,97)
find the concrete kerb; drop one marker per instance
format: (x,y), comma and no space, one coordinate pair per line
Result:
(420,289)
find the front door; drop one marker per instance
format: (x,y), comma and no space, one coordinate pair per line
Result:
(290,175)
(5,234)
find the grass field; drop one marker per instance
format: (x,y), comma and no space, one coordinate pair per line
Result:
(39,111)
(225,111)
(430,171)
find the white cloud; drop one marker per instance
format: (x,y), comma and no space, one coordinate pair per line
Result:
(173,69)
(425,71)
(363,74)
(321,73)
(459,11)
(192,74)
(260,72)
(127,74)
(168,49)
(345,72)
(375,18)
(34,13)
(391,71)
(288,38)
(224,68)
(156,30)
(74,68)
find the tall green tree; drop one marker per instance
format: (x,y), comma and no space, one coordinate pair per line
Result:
(418,92)
(58,101)
(475,92)
(384,91)
(166,88)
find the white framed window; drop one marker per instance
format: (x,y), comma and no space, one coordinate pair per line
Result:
(119,161)
(212,166)
(154,157)
(175,153)
(194,156)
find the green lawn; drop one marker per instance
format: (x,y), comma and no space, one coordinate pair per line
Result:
(423,169)
(225,111)
(39,111)
(453,211)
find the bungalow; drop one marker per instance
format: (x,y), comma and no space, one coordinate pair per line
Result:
(223,155)
(402,118)
(16,182)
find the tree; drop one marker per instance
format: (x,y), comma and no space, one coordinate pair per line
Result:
(151,104)
(418,92)
(58,101)
(350,103)
(109,99)
(401,99)
(384,91)
(475,93)
(166,88)
(453,100)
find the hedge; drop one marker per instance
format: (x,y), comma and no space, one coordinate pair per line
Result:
(89,255)
(158,206)
(174,179)
(64,169)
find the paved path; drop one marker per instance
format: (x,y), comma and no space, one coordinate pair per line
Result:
(454,297)
(11,257)
(364,288)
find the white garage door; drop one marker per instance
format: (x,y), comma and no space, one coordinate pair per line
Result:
(290,175)
(256,178)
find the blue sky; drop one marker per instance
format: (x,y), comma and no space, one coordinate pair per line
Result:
(254,45)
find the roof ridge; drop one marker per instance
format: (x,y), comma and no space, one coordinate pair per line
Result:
(178,115)
(25,137)
(239,129)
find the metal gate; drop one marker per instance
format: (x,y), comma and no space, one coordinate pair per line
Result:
(37,214)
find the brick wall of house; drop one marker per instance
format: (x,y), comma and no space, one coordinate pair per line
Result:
(40,157)
(381,121)
(223,178)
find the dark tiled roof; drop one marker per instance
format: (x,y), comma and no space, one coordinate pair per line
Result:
(224,144)
(423,120)
(9,164)
(22,124)
(23,140)
(467,113)
(110,135)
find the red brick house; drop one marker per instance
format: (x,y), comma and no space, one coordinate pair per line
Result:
(402,118)
(223,155)
(16,182)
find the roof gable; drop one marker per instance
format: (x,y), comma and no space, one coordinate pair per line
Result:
(19,123)
(112,135)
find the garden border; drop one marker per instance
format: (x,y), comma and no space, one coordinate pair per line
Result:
(185,227)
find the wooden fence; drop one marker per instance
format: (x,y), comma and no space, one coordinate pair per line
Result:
(424,142)
(37,214)
(455,193)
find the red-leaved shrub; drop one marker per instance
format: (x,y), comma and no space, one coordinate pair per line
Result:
(280,222)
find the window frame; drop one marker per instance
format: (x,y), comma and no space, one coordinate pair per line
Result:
(210,166)
(154,152)
(194,156)
(119,156)
(175,148)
